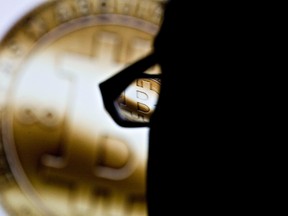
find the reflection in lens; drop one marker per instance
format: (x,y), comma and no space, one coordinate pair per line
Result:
(138,101)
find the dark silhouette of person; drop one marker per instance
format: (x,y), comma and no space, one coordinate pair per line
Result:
(204,153)
(204,143)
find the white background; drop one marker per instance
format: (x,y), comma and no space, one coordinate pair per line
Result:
(10,12)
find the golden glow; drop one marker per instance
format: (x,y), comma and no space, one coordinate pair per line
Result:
(60,152)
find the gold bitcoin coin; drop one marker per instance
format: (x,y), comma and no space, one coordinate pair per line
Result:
(61,154)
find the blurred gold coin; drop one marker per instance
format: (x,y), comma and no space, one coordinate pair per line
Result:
(61,154)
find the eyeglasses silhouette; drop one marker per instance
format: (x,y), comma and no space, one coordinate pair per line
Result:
(131,95)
